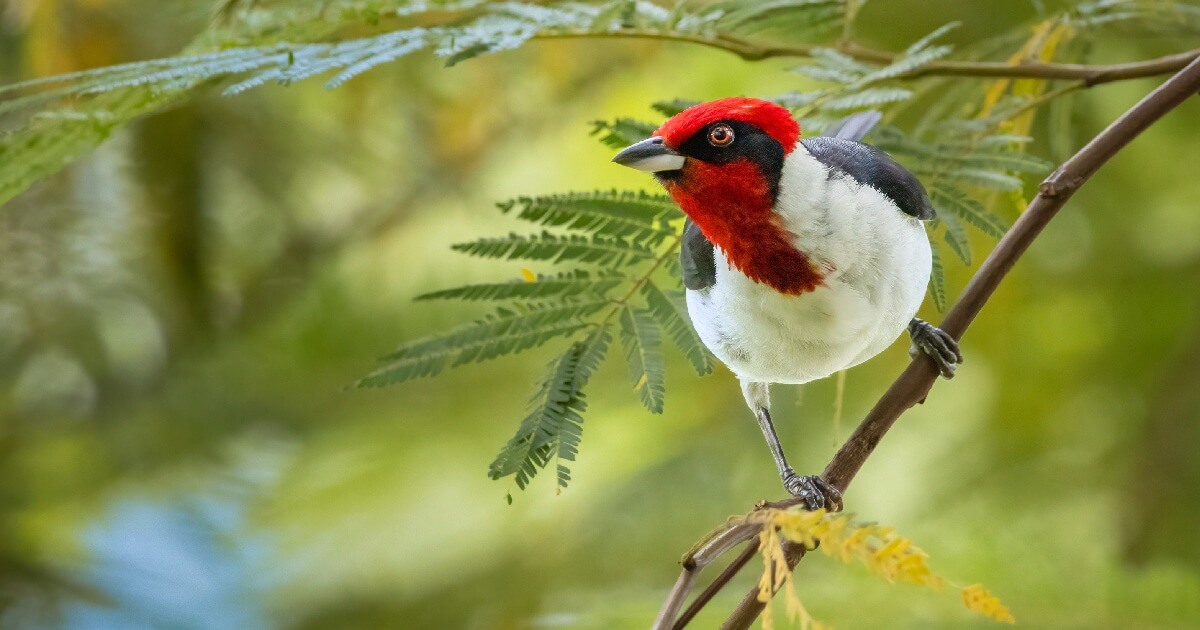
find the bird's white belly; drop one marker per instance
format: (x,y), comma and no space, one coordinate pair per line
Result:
(877,262)
(763,335)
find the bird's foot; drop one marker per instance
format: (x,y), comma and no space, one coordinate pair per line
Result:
(815,491)
(935,343)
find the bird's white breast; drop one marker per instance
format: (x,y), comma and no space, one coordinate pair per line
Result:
(876,262)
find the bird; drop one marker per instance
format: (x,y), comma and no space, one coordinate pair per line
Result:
(800,257)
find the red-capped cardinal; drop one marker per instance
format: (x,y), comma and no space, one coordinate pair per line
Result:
(800,257)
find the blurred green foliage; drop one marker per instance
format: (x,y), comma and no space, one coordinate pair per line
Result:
(181,310)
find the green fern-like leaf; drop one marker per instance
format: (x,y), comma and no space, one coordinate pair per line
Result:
(997,142)
(946,198)
(956,237)
(615,15)
(622,132)
(52,141)
(984,178)
(564,286)
(835,67)
(672,107)
(508,331)
(553,424)
(1136,17)
(925,42)
(871,97)
(642,341)
(836,59)
(554,406)
(670,312)
(639,217)
(794,17)
(1003,161)
(796,100)
(906,64)
(598,250)
(859,84)
(937,281)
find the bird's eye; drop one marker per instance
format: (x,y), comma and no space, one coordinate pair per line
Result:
(720,136)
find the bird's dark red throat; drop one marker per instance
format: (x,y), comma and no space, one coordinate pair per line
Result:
(731,195)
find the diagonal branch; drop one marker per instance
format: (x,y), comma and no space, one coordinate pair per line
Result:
(912,386)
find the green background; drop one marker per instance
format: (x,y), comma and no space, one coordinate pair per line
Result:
(181,311)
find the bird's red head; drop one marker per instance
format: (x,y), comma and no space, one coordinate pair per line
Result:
(773,120)
(722,162)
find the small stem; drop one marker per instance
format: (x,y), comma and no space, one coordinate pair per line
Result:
(658,262)
(1044,98)
(852,7)
(839,399)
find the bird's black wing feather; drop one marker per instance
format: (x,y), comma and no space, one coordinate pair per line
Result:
(697,258)
(871,166)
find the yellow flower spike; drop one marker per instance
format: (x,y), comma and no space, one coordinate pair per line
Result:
(795,610)
(883,532)
(914,568)
(893,548)
(764,595)
(798,535)
(880,565)
(834,535)
(855,543)
(802,534)
(777,576)
(978,599)
(878,547)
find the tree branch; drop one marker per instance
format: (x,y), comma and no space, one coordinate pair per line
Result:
(716,585)
(912,386)
(1089,75)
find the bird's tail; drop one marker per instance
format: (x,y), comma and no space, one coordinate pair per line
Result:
(855,126)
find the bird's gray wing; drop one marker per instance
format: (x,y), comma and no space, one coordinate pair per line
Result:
(855,126)
(697,258)
(872,167)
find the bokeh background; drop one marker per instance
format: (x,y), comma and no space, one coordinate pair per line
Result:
(181,311)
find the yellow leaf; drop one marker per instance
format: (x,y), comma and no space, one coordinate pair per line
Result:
(528,275)
(640,384)
(1041,46)
(877,547)
(978,599)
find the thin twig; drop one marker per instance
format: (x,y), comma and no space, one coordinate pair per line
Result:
(1090,75)
(717,584)
(915,382)
(728,535)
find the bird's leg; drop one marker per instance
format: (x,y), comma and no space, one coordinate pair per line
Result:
(935,343)
(816,492)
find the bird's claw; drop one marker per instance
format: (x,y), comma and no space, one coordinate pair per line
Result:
(935,343)
(815,491)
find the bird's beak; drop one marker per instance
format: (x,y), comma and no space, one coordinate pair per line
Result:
(650,155)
